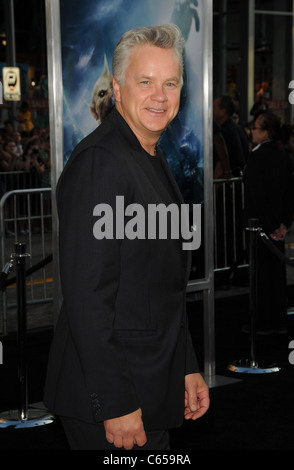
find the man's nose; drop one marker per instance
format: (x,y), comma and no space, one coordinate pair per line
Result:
(159,93)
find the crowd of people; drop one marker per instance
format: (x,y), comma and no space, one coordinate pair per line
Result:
(25,159)
(233,141)
(262,154)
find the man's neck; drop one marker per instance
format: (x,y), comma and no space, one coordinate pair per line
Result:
(148,141)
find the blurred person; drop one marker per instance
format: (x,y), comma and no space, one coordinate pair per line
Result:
(33,167)
(261,103)
(235,138)
(229,210)
(221,161)
(9,163)
(260,106)
(18,150)
(21,127)
(8,128)
(36,165)
(25,116)
(8,156)
(269,185)
(5,162)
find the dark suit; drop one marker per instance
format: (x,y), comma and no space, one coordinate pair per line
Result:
(268,183)
(269,187)
(237,145)
(121,341)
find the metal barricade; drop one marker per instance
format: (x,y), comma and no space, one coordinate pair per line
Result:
(11,180)
(229,233)
(26,216)
(229,239)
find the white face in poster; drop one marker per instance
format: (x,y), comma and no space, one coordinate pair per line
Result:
(89,31)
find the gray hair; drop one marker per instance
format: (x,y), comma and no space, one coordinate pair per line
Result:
(166,36)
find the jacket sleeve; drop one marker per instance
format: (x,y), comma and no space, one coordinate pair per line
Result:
(90,271)
(191,359)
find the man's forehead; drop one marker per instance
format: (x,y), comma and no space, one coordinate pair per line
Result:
(146,76)
(147,55)
(142,50)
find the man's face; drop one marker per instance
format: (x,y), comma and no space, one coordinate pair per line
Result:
(259,134)
(150,96)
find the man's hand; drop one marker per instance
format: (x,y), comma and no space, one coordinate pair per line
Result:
(126,431)
(196,396)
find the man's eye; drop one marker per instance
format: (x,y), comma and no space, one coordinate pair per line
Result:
(170,84)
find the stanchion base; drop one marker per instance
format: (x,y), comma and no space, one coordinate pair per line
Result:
(246,367)
(35,417)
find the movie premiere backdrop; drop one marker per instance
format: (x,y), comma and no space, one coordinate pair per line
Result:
(89,31)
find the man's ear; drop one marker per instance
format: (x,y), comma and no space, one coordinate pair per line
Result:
(116,89)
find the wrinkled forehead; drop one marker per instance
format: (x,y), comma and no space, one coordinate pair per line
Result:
(158,58)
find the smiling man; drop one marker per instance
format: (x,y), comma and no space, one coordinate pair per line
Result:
(122,369)
(149,97)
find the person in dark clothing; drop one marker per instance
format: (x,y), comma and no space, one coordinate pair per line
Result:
(235,138)
(268,181)
(228,219)
(221,161)
(122,369)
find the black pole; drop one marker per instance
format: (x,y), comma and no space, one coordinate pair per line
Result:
(20,259)
(253,229)
(250,365)
(24,416)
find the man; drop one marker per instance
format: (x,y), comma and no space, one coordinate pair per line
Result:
(221,162)
(122,370)
(235,138)
(268,197)
(228,219)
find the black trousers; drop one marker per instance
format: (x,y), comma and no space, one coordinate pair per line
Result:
(87,436)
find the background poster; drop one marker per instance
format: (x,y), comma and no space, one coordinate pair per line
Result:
(89,33)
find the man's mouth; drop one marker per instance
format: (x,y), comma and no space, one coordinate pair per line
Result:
(156,110)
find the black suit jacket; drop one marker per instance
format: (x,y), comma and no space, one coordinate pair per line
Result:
(268,181)
(121,341)
(237,145)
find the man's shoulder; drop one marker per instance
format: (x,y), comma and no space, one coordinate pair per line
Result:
(102,141)
(113,135)
(105,133)
(106,147)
